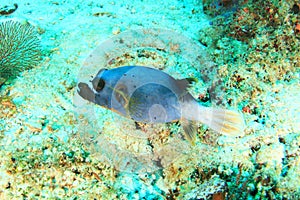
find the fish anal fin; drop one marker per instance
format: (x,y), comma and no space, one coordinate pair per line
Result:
(190,130)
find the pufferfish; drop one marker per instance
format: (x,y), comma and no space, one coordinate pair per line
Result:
(149,95)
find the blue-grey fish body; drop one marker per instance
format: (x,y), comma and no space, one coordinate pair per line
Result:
(149,95)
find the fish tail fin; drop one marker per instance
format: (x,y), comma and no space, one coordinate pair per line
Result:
(226,122)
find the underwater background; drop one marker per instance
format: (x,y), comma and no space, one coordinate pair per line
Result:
(244,55)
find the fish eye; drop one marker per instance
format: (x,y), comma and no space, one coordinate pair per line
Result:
(100,85)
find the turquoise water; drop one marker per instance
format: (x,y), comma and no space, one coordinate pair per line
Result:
(241,56)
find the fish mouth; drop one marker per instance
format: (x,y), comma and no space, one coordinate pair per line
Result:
(86,92)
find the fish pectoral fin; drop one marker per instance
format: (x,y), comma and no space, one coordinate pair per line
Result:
(135,109)
(86,92)
(190,130)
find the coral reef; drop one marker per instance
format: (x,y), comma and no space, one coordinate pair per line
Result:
(220,7)
(257,51)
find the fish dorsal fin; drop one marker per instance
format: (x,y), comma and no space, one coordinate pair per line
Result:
(186,82)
